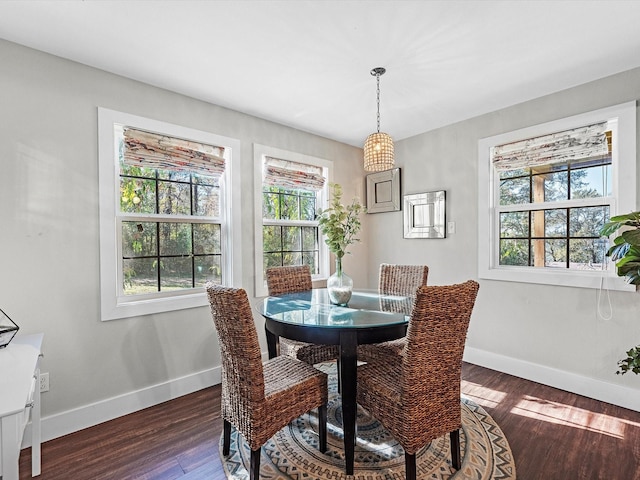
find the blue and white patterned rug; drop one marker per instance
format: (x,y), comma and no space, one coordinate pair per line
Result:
(292,454)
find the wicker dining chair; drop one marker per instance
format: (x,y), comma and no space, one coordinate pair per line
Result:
(416,397)
(292,279)
(401,280)
(258,398)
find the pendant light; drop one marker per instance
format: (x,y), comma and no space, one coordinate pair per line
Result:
(378,149)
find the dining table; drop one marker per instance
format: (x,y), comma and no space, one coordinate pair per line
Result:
(309,316)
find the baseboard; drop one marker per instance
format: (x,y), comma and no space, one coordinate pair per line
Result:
(60,424)
(585,386)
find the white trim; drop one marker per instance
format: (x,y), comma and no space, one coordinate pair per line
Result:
(259,152)
(112,305)
(64,423)
(622,117)
(571,382)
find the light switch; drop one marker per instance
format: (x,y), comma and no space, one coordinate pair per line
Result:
(451,227)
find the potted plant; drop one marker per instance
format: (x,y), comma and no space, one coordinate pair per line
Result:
(340,224)
(625,251)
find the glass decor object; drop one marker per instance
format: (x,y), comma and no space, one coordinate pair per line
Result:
(339,285)
(8,329)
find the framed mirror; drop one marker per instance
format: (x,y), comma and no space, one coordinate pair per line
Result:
(383,191)
(424,215)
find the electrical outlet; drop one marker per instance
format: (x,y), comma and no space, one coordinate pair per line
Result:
(44,382)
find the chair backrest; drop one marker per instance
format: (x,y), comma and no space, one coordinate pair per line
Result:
(289,279)
(242,372)
(401,279)
(432,364)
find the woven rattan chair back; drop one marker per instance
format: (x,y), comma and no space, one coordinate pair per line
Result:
(401,279)
(432,366)
(292,279)
(288,279)
(416,396)
(240,354)
(259,398)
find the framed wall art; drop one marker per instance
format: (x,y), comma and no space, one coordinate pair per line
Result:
(383,191)
(424,215)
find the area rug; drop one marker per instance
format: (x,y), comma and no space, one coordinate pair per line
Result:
(292,454)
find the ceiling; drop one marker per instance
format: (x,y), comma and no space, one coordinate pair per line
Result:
(306,64)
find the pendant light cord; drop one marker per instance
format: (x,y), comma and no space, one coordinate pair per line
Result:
(378,98)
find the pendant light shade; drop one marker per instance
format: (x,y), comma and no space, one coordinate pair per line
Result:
(378,152)
(378,148)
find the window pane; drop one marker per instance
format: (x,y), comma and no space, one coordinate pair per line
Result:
(206,238)
(140,276)
(208,268)
(591,182)
(272,238)
(136,171)
(289,207)
(309,238)
(587,221)
(556,186)
(308,208)
(515,191)
(588,254)
(272,260)
(555,222)
(292,258)
(292,239)
(206,200)
(522,172)
(270,205)
(182,176)
(555,253)
(514,252)
(138,239)
(175,273)
(174,198)
(175,238)
(514,224)
(137,195)
(311,259)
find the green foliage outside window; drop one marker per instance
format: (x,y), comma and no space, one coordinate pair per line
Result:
(571,235)
(286,239)
(168,255)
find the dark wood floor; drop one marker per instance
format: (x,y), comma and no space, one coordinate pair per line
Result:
(553,435)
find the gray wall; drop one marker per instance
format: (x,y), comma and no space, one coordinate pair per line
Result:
(49,243)
(551,334)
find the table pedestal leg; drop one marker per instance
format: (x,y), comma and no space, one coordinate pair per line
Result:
(272,343)
(348,379)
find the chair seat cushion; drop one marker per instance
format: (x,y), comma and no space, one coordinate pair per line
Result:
(308,352)
(379,352)
(286,379)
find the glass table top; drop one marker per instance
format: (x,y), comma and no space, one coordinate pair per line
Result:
(313,308)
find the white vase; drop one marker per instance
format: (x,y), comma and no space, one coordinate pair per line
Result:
(339,285)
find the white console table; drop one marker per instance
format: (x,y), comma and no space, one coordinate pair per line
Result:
(19,394)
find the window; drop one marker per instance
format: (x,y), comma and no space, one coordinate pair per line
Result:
(545,192)
(290,188)
(165,216)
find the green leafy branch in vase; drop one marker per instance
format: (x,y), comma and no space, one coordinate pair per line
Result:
(339,223)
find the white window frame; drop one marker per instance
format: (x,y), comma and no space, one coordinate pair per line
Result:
(113,303)
(259,153)
(622,119)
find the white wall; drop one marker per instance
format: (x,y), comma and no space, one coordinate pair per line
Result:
(49,243)
(549,334)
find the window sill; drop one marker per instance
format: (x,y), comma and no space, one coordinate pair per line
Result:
(587,279)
